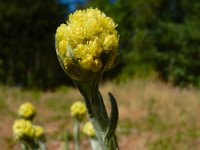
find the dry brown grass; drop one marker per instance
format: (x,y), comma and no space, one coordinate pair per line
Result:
(156,112)
(153,115)
(170,102)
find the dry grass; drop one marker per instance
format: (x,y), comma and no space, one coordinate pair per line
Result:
(153,115)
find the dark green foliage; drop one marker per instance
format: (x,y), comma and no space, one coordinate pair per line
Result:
(156,36)
(178,52)
(160,36)
(27,55)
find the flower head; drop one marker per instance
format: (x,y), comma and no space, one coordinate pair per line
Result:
(27,111)
(88,41)
(23,129)
(39,131)
(88,129)
(78,110)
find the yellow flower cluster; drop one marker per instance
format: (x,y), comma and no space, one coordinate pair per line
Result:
(78,110)
(88,129)
(88,37)
(24,128)
(26,110)
(39,131)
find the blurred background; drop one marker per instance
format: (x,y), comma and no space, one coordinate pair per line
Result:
(156,82)
(157,37)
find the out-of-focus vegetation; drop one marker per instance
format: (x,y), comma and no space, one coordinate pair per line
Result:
(27,49)
(148,119)
(157,37)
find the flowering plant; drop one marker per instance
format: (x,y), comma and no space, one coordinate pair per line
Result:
(89,131)
(86,46)
(30,135)
(78,111)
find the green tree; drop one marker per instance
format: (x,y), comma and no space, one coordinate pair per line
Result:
(178,44)
(158,35)
(27,51)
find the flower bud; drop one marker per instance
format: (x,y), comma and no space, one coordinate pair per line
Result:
(27,111)
(78,110)
(23,129)
(87,42)
(39,131)
(88,129)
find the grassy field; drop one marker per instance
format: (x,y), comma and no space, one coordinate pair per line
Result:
(153,115)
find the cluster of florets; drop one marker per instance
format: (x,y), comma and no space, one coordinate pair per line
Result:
(23,128)
(78,110)
(27,111)
(89,40)
(88,129)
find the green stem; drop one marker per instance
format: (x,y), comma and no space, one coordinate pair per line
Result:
(94,144)
(77,134)
(34,147)
(97,111)
(24,146)
(30,144)
(66,142)
(42,145)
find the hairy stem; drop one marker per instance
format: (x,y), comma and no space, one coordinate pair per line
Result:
(97,111)
(77,134)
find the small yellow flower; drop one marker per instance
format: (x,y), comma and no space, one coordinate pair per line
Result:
(88,129)
(78,110)
(39,131)
(88,40)
(27,111)
(23,128)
